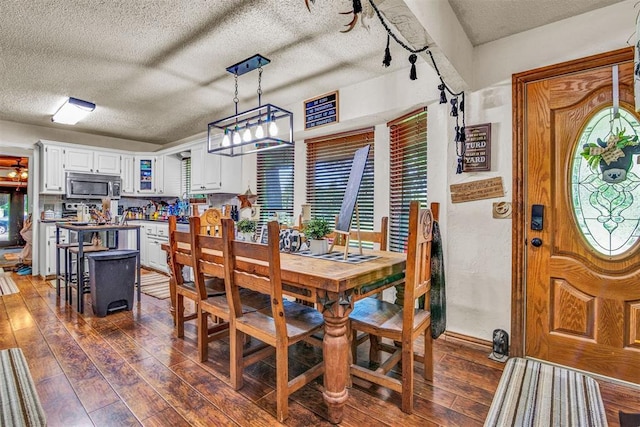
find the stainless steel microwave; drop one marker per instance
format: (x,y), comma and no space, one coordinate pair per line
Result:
(92,186)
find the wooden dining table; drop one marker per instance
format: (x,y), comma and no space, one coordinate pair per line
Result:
(334,286)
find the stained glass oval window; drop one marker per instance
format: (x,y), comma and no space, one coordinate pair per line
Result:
(605,182)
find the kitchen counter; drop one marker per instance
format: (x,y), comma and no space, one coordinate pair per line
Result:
(160,220)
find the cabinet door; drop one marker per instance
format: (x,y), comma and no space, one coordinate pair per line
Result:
(78,160)
(52,176)
(105,162)
(206,172)
(127,174)
(144,248)
(145,174)
(157,257)
(158,175)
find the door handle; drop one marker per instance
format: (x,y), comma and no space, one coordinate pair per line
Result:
(536,241)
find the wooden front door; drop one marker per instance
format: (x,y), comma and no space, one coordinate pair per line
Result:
(581,298)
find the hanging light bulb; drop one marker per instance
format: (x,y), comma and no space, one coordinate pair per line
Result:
(273,127)
(24,175)
(259,131)
(236,137)
(12,174)
(246,135)
(226,141)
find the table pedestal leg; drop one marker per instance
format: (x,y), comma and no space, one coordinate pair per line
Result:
(335,308)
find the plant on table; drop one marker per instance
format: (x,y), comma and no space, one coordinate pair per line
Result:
(246,226)
(315,230)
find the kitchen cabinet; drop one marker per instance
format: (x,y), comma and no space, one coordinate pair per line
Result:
(159,175)
(47,244)
(79,159)
(127,174)
(51,169)
(212,173)
(106,162)
(154,236)
(145,175)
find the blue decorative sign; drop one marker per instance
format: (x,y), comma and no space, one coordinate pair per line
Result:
(320,111)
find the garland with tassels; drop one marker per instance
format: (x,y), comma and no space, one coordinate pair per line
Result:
(457,108)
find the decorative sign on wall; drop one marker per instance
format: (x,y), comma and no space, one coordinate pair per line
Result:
(320,111)
(477,190)
(477,148)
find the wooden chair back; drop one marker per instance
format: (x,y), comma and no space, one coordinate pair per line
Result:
(259,270)
(210,221)
(380,237)
(204,263)
(180,251)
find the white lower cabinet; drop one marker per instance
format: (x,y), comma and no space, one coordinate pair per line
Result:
(152,237)
(47,245)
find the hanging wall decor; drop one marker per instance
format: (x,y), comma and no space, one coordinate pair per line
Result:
(368,8)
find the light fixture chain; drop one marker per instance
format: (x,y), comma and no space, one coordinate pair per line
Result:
(259,85)
(235,97)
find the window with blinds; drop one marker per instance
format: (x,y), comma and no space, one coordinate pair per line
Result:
(275,182)
(328,166)
(185,176)
(407,173)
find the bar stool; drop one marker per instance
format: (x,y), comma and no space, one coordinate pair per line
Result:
(64,247)
(80,282)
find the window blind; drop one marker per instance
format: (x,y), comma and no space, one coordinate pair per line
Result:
(328,166)
(185,176)
(275,182)
(407,173)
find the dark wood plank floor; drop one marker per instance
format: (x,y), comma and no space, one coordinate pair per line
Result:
(129,369)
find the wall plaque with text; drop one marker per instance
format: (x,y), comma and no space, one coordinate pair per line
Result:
(477,148)
(477,190)
(320,111)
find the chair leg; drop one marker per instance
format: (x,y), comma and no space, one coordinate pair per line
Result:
(203,335)
(236,365)
(374,349)
(180,316)
(407,378)
(428,355)
(282,383)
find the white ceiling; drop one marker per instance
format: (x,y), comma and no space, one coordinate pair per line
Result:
(156,68)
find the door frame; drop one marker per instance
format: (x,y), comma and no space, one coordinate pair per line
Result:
(519,230)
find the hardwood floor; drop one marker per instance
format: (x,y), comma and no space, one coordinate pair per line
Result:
(128,369)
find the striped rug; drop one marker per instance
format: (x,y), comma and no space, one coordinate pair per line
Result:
(531,393)
(18,396)
(155,285)
(7,285)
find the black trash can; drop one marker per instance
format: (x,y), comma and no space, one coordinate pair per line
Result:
(112,276)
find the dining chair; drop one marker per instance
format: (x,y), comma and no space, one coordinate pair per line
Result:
(207,262)
(181,257)
(402,324)
(284,323)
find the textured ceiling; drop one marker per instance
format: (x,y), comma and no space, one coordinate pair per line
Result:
(156,68)
(488,20)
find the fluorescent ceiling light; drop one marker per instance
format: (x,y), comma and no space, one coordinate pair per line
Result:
(72,111)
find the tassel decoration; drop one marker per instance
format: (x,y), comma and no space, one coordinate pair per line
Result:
(443,96)
(413,58)
(462,104)
(463,136)
(387,54)
(459,168)
(454,107)
(357,6)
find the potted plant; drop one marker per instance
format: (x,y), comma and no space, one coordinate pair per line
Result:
(246,228)
(315,230)
(613,156)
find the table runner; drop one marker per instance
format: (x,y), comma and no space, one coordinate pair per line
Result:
(352,258)
(531,393)
(19,401)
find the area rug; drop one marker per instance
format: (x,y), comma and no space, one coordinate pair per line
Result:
(18,396)
(7,286)
(155,285)
(531,393)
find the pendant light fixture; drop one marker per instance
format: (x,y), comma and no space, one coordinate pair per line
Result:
(264,127)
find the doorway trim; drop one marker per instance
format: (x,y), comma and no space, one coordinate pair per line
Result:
(519,230)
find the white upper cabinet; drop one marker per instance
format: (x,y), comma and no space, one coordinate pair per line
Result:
(145,174)
(78,159)
(51,169)
(106,162)
(127,174)
(213,173)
